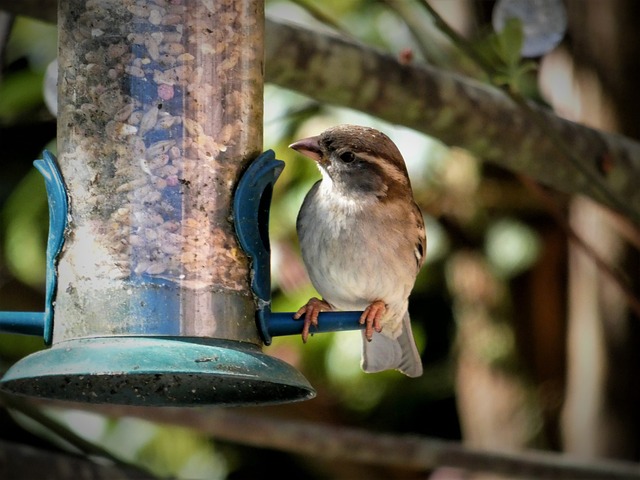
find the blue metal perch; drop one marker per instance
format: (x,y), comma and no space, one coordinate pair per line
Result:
(251,205)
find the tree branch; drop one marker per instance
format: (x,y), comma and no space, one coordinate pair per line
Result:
(458,111)
(328,442)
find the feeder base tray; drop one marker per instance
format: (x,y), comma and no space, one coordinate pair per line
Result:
(157,371)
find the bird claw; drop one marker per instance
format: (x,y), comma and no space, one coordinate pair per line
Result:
(371,318)
(310,312)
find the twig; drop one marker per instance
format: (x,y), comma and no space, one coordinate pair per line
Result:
(322,17)
(22,461)
(407,13)
(84,446)
(458,40)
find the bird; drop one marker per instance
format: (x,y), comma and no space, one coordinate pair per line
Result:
(363,241)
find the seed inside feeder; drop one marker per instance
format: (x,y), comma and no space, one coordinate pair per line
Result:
(159,111)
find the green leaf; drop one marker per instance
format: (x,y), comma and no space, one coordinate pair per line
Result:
(510,41)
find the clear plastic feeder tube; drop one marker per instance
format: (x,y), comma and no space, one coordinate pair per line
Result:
(160,109)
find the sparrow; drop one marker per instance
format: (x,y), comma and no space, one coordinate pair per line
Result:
(363,241)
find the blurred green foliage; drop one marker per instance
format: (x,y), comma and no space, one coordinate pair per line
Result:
(19,92)
(24,218)
(31,47)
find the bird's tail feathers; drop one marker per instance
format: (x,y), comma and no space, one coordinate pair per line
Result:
(386,353)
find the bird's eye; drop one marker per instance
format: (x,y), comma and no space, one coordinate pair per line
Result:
(347,157)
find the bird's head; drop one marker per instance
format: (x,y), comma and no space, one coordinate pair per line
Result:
(358,161)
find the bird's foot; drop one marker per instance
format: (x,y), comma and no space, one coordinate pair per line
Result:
(371,318)
(310,312)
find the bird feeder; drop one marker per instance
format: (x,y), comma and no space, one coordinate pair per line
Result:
(158,287)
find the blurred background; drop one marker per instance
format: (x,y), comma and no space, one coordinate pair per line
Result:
(526,335)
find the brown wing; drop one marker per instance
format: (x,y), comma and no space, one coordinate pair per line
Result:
(420,249)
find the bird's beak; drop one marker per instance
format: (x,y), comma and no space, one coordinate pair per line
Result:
(309,147)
